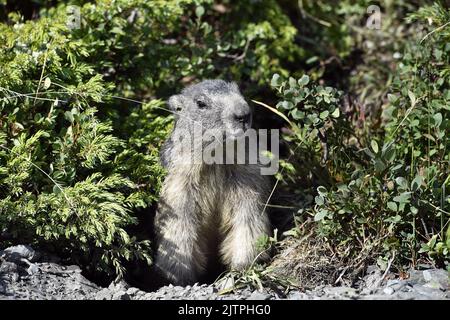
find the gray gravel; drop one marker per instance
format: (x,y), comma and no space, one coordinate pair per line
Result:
(27,274)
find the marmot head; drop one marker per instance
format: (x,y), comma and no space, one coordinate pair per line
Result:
(215,104)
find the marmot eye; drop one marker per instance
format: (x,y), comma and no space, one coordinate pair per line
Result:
(201,104)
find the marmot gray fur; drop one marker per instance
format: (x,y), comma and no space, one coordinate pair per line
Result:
(208,207)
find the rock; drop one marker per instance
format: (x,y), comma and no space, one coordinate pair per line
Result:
(8,267)
(17,253)
(73,268)
(428,292)
(396,284)
(104,294)
(297,296)
(436,278)
(372,279)
(22,279)
(120,295)
(133,291)
(393,282)
(120,285)
(416,276)
(411,295)
(388,290)
(9,271)
(367,291)
(257,295)
(340,291)
(32,269)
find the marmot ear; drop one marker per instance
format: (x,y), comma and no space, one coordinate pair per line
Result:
(176,103)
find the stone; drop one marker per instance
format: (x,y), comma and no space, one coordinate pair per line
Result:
(48,280)
(133,291)
(73,268)
(367,291)
(416,276)
(396,285)
(340,291)
(388,290)
(117,286)
(373,269)
(297,296)
(17,253)
(120,295)
(9,271)
(8,267)
(392,282)
(104,294)
(32,269)
(428,292)
(437,278)
(257,295)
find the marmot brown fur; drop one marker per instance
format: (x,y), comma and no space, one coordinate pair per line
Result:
(206,207)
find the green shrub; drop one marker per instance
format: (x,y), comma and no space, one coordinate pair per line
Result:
(385,196)
(78,150)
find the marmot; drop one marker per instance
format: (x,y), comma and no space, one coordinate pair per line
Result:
(208,207)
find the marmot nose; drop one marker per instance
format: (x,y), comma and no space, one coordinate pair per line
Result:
(243,118)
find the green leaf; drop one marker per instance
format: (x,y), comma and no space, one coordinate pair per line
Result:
(69,116)
(412,97)
(416,183)
(56,189)
(297,114)
(292,83)
(320,215)
(303,81)
(336,113)
(392,205)
(432,241)
(437,119)
(401,182)
(199,11)
(324,114)
(374,146)
(403,198)
(319,200)
(312,59)
(276,80)
(379,165)
(392,97)
(286,105)
(322,190)
(388,153)
(47,83)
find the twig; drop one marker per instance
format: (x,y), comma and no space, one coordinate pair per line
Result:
(386,271)
(435,30)
(341,275)
(236,57)
(42,75)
